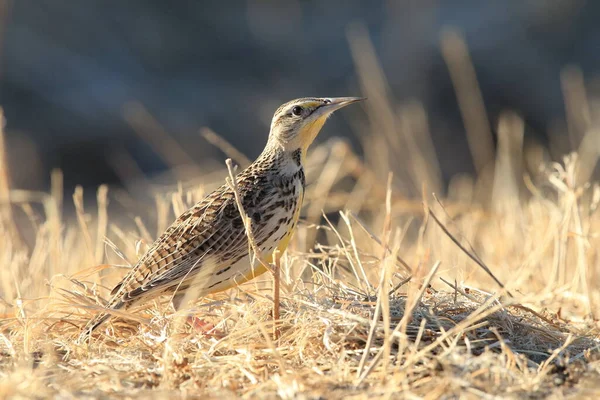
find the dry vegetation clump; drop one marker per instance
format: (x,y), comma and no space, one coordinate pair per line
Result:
(354,320)
(492,289)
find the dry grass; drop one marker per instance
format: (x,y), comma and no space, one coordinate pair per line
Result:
(388,297)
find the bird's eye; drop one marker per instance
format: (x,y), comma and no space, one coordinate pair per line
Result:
(297,110)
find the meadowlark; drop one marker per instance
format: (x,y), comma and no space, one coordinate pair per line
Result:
(207,248)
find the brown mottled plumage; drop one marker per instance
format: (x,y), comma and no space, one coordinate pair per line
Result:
(206,248)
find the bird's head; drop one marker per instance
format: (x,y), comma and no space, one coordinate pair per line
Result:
(296,123)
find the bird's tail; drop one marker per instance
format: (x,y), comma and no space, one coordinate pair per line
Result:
(97,321)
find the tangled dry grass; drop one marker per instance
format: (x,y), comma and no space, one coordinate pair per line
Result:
(491,290)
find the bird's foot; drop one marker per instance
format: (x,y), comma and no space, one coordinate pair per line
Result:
(204,327)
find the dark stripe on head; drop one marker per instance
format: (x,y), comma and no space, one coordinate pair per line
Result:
(299,101)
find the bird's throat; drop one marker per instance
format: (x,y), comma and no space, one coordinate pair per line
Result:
(309,133)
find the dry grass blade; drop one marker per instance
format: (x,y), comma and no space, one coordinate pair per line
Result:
(468,253)
(148,128)
(382,305)
(255,250)
(226,147)
(5,206)
(81,218)
(378,241)
(469,96)
(402,325)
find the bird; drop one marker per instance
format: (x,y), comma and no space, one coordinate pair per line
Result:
(206,249)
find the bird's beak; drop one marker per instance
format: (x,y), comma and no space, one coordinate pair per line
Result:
(335,103)
(320,115)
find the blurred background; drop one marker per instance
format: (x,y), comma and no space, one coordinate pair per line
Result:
(102,88)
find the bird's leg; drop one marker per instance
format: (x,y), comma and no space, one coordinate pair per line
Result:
(276,291)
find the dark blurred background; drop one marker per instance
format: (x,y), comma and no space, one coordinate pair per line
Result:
(70,71)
